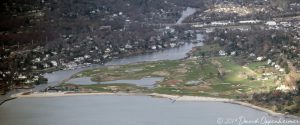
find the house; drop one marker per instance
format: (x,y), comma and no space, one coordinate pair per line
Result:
(54,53)
(169,29)
(267,74)
(166,45)
(128,46)
(89,38)
(273,64)
(259,58)
(286,24)
(105,56)
(283,88)
(209,30)
(159,46)
(35,78)
(54,63)
(222,53)
(28,81)
(249,21)
(277,67)
(105,28)
(252,55)
(222,23)
(269,61)
(281,70)
(271,23)
(172,45)
(45,65)
(33,67)
(96,60)
(107,50)
(78,59)
(122,49)
(46,57)
(153,47)
(37,60)
(22,76)
(87,56)
(233,53)
(70,65)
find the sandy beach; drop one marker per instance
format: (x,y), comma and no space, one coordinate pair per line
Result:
(58,94)
(156,95)
(200,98)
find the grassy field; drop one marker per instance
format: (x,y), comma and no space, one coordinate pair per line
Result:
(214,76)
(117,87)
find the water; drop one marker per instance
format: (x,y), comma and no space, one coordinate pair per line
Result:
(189,11)
(144,82)
(57,77)
(168,54)
(119,110)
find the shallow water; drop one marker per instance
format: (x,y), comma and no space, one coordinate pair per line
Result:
(168,54)
(120,110)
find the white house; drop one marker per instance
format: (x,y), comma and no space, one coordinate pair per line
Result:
(269,61)
(153,47)
(54,63)
(286,24)
(222,53)
(277,67)
(33,67)
(107,50)
(45,65)
(96,60)
(283,88)
(260,58)
(87,56)
(128,46)
(37,60)
(252,55)
(105,56)
(249,21)
(172,45)
(233,53)
(271,23)
(222,23)
(281,70)
(22,76)
(273,64)
(35,78)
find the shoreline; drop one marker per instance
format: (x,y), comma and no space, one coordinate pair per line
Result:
(224,100)
(174,98)
(6,100)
